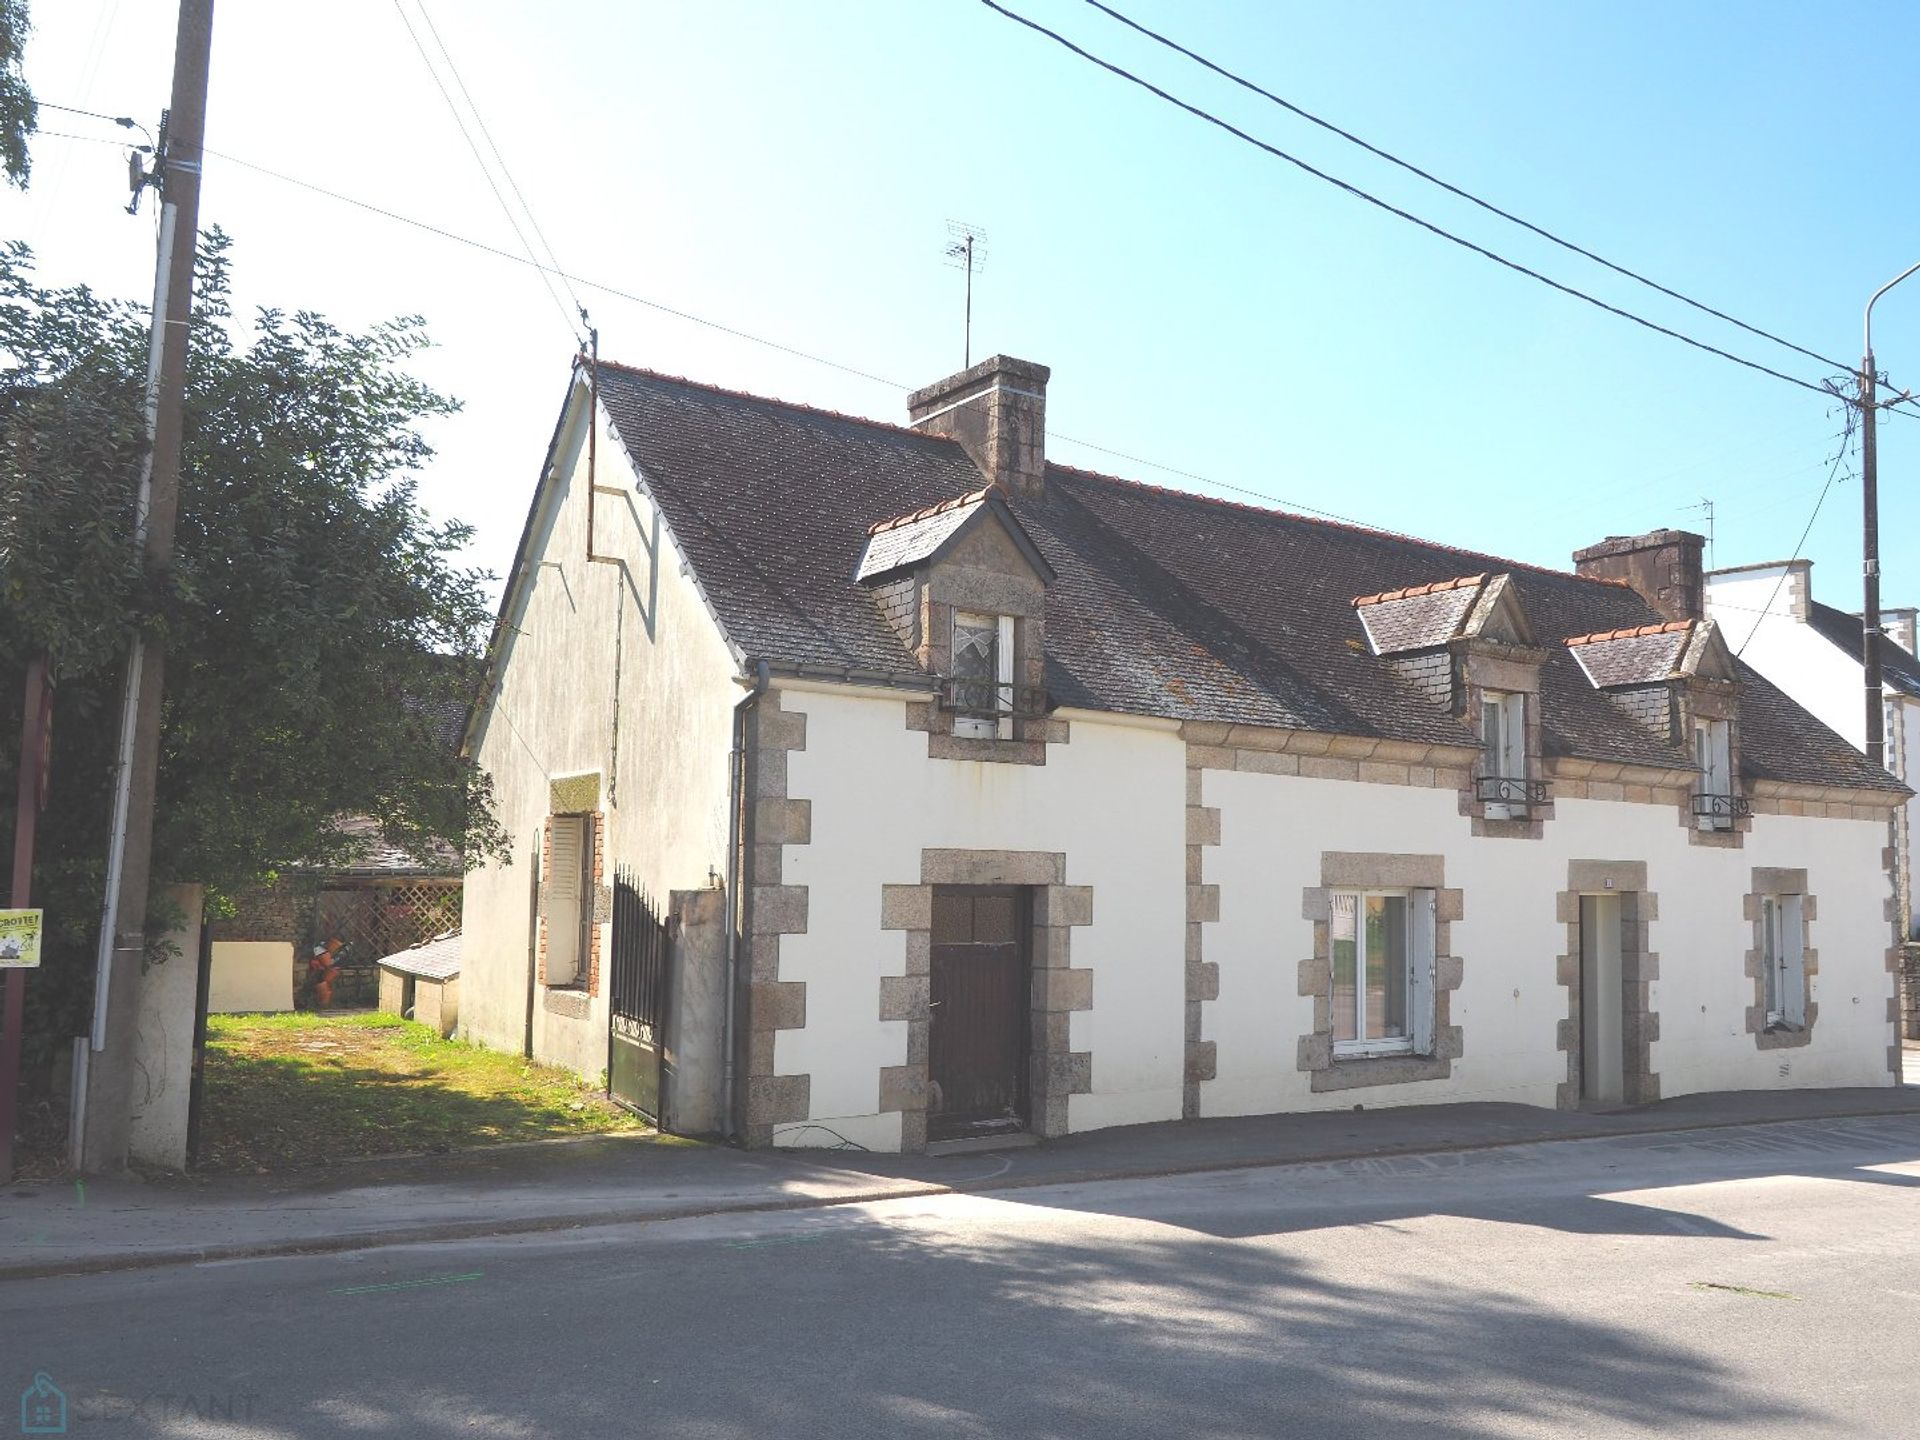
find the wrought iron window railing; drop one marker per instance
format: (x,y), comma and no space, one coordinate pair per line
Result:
(989,699)
(1514,790)
(1721,810)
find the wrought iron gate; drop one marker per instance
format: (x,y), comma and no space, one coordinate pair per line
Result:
(640,996)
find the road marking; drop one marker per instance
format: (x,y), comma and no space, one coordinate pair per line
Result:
(408,1284)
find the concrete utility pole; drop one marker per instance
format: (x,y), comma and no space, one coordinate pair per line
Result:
(103,1114)
(1870,537)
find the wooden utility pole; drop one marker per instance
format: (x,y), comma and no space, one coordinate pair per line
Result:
(36,718)
(103,1114)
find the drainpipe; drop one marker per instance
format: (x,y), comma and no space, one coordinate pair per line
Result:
(739,837)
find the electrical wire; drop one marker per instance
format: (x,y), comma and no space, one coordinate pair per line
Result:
(533,220)
(1838,457)
(566,317)
(1455,190)
(579,280)
(1354,190)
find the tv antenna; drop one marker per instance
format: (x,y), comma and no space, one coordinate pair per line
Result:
(1706,508)
(967,250)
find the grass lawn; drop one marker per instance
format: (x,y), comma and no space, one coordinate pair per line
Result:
(288,1091)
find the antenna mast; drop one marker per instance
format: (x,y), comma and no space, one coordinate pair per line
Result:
(967,250)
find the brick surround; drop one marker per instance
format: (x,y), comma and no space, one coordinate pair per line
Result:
(1345,870)
(1056,1071)
(1639,968)
(773,909)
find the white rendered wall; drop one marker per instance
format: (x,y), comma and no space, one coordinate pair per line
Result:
(1113,800)
(1759,627)
(1813,670)
(1274,828)
(663,774)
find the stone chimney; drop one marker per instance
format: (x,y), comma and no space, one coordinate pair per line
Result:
(1664,566)
(1897,624)
(997,410)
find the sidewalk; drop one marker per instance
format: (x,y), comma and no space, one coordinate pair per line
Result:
(66,1227)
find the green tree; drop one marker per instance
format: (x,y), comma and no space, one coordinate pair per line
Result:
(322,639)
(19,116)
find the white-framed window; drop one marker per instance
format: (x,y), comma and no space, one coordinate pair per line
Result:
(982,673)
(1784,959)
(1503,753)
(1713,789)
(1383,972)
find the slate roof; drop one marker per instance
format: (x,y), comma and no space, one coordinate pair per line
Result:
(909,539)
(1640,655)
(1165,603)
(1898,669)
(1420,618)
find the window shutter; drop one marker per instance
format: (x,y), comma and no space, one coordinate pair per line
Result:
(1003,655)
(1793,989)
(1513,737)
(1422,965)
(563,864)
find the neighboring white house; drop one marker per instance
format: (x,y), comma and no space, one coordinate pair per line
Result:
(1045,800)
(1813,652)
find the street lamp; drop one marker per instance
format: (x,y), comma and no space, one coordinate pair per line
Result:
(1870,537)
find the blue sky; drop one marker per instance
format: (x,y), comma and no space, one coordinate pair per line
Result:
(789,169)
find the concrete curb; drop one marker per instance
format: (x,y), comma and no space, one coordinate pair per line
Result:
(905,1189)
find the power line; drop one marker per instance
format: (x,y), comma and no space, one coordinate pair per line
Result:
(512,184)
(566,317)
(1201,114)
(579,280)
(1452,189)
(1832,474)
(616,292)
(739,334)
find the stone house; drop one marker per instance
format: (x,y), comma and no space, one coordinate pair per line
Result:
(1042,800)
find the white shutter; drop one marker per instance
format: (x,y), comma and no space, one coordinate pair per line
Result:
(1422,968)
(1003,655)
(1793,987)
(563,898)
(1513,737)
(563,861)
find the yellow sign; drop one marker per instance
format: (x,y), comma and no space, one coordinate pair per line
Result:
(19,939)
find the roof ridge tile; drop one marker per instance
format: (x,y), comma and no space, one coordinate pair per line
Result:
(1632,632)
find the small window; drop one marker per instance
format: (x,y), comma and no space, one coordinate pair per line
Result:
(1784,958)
(980,691)
(1503,754)
(1713,803)
(1383,967)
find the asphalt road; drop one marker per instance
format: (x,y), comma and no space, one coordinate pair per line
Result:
(1755,1282)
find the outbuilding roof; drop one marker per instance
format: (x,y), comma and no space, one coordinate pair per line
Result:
(1165,603)
(435,959)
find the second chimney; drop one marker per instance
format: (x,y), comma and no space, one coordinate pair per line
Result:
(997,410)
(1664,566)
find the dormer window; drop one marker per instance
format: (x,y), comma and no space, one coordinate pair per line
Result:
(1503,784)
(1713,798)
(980,689)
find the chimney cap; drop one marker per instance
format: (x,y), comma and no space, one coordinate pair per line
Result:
(995,370)
(1631,544)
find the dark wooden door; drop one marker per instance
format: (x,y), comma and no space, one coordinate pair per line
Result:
(977,1056)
